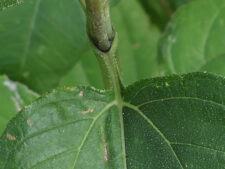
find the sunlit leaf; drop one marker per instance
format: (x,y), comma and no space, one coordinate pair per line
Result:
(171,122)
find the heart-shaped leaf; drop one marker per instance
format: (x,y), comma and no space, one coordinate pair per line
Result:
(41,40)
(171,122)
(195,38)
(69,128)
(13,97)
(176,122)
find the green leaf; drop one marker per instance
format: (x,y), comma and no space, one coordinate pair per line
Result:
(73,127)
(13,97)
(138,41)
(173,122)
(8,3)
(47,39)
(194,40)
(176,122)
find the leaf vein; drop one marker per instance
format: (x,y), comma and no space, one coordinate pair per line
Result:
(156,129)
(53,156)
(198,146)
(182,98)
(108,106)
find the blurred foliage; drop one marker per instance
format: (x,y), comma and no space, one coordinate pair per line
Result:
(8,3)
(195,43)
(47,40)
(13,98)
(160,11)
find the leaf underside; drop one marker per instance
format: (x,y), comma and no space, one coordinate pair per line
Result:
(174,122)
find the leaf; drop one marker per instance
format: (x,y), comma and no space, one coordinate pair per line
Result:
(173,122)
(13,97)
(73,127)
(47,39)
(138,41)
(194,40)
(176,122)
(7,3)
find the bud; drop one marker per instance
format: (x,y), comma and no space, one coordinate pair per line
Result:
(99,26)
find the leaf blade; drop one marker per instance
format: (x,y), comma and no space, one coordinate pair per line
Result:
(169,122)
(46,43)
(183,50)
(183,110)
(84,115)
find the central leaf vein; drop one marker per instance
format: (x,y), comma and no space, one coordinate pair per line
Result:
(108,106)
(156,129)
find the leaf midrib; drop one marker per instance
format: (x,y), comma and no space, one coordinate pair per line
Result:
(155,128)
(107,107)
(78,150)
(136,109)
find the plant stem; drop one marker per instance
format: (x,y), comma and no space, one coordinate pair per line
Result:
(99,26)
(105,42)
(110,68)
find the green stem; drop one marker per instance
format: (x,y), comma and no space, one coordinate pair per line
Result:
(110,67)
(99,26)
(105,41)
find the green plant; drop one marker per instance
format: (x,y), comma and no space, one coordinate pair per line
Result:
(168,122)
